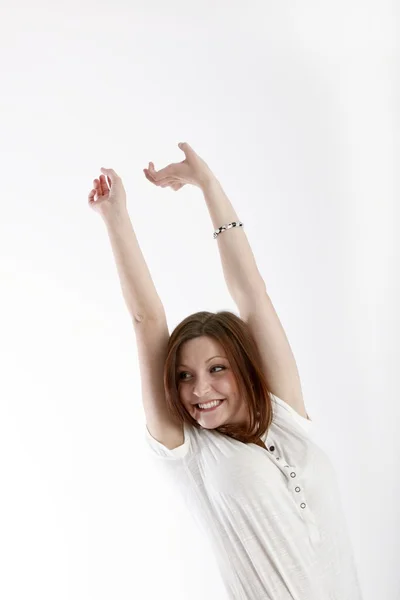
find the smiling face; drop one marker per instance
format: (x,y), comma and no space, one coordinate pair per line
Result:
(205,374)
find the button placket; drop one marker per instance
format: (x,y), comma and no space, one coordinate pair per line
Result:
(293,474)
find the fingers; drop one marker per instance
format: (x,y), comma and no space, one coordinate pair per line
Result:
(104,186)
(169,171)
(165,182)
(156,180)
(100,186)
(91,196)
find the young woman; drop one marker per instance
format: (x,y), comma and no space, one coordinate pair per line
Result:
(225,413)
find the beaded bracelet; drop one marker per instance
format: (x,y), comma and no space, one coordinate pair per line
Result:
(229,226)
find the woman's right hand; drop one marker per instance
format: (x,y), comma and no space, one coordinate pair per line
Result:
(192,170)
(108,195)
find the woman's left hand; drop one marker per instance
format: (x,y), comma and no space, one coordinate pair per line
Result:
(192,170)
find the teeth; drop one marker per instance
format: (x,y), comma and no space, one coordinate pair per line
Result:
(210,404)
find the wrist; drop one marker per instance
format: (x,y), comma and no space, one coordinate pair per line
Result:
(115,215)
(208,182)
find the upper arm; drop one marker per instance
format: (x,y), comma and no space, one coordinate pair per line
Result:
(278,361)
(152,339)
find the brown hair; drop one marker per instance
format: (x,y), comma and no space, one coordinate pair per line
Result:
(238,342)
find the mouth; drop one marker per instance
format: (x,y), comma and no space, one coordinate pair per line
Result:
(212,408)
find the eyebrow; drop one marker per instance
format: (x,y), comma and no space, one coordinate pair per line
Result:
(217,356)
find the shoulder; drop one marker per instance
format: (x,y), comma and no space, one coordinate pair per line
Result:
(286,412)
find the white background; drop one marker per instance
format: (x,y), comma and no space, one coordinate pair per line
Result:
(294,106)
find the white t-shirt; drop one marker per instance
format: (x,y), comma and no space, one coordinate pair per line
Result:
(274,518)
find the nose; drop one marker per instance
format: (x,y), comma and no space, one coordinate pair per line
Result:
(201,389)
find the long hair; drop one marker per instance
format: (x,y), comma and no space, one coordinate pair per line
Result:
(239,344)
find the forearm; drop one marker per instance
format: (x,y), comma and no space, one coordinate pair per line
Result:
(241,273)
(137,286)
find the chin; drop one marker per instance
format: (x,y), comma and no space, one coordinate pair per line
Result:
(210,428)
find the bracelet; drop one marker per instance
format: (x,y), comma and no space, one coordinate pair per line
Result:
(229,226)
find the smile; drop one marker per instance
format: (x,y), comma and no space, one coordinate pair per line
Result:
(210,405)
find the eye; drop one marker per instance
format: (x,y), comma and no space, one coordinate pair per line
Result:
(185,372)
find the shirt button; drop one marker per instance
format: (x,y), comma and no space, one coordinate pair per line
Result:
(297,489)
(272,448)
(302,505)
(292,474)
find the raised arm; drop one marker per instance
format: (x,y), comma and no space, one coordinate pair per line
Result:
(140,294)
(144,306)
(244,281)
(241,273)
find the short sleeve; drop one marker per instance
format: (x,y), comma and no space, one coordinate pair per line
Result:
(287,412)
(156,448)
